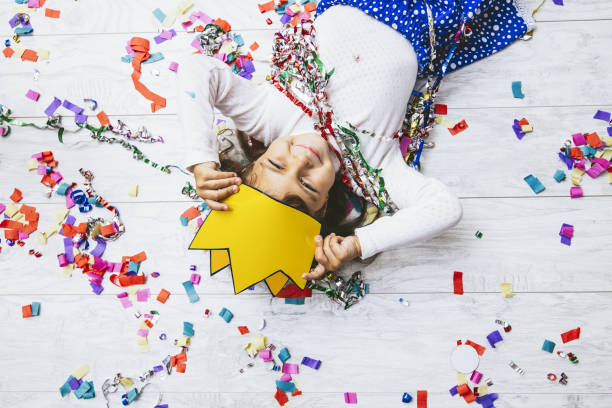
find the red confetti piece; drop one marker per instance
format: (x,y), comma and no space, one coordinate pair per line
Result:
(163,296)
(458,283)
(243,330)
(459,127)
(16,196)
(281,397)
(440,109)
(570,335)
(26,311)
(421,399)
(479,349)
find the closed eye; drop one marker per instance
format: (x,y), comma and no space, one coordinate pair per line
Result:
(308,186)
(275,164)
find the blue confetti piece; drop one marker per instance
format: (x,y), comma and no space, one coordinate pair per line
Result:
(188,329)
(294,301)
(602,115)
(192,94)
(285,386)
(193,296)
(535,184)
(134,267)
(494,337)
(407,397)
(65,389)
(516,90)
(548,346)
(159,15)
(226,315)
(559,176)
(23,30)
(83,388)
(35,308)
(284,355)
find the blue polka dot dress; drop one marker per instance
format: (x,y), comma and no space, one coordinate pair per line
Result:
(494,24)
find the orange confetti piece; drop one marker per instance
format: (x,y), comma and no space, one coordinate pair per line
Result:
(8,52)
(29,55)
(103,119)
(254,46)
(310,6)
(52,13)
(141,48)
(163,296)
(225,26)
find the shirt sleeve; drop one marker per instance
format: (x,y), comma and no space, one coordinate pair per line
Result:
(426,209)
(260,111)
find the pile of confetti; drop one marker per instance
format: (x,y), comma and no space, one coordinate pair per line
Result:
(587,149)
(291,11)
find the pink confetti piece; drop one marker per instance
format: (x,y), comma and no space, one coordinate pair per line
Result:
(173,66)
(33,95)
(142,332)
(143,295)
(576,192)
(289,368)
(350,397)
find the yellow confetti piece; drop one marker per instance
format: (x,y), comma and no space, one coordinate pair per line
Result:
(441,120)
(183,341)
(133,190)
(258,343)
(60,215)
(610,177)
(506,290)
(18,217)
(126,382)
(68,269)
(184,6)
(577,176)
(143,344)
(32,164)
(11,209)
(607,140)
(526,128)
(80,372)
(461,378)
(19,52)
(170,18)
(42,239)
(23,8)
(43,54)
(483,390)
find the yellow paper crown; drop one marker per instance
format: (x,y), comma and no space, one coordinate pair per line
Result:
(261,238)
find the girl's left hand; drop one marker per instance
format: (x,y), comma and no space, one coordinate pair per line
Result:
(332,252)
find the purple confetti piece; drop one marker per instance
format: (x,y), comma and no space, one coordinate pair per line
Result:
(70,220)
(53,106)
(558,2)
(487,400)
(285,18)
(453,391)
(610,131)
(311,362)
(14,22)
(74,383)
(98,251)
(494,337)
(68,250)
(567,160)
(566,241)
(72,107)
(602,115)
(97,289)
(78,118)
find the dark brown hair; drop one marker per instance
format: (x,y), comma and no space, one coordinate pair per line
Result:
(333,216)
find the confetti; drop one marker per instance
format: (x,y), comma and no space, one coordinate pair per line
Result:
(602,115)
(226,315)
(350,397)
(494,337)
(506,290)
(534,183)
(421,399)
(458,283)
(33,95)
(516,89)
(548,346)
(570,335)
(51,13)
(458,128)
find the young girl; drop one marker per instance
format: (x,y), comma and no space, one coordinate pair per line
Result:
(377,50)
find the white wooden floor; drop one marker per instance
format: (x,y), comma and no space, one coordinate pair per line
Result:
(379,348)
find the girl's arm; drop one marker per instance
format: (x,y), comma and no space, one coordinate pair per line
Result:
(426,209)
(261,112)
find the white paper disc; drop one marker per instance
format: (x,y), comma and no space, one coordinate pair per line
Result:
(465,359)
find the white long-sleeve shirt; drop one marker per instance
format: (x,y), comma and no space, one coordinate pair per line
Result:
(375,72)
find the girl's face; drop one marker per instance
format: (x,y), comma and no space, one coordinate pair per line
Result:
(297,170)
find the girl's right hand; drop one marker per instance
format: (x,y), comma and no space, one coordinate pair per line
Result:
(214,185)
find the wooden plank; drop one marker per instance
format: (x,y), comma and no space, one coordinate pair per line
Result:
(318,399)
(136,16)
(386,347)
(116,16)
(483,85)
(520,245)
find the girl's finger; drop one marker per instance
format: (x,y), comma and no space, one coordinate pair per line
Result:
(336,247)
(319,253)
(222,194)
(216,206)
(333,262)
(216,175)
(217,184)
(316,273)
